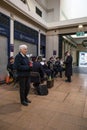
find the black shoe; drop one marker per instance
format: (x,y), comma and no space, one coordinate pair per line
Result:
(24,103)
(69,81)
(28,101)
(66,80)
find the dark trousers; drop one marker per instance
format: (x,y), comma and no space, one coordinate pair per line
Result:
(56,73)
(48,72)
(69,78)
(24,83)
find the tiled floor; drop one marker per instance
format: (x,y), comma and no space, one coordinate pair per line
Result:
(64,108)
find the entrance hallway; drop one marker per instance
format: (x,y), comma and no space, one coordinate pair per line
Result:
(64,108)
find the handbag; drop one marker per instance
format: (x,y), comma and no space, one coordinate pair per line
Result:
(50,83)
(42,90)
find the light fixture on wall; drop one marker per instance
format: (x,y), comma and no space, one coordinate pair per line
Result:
(80,26)
(80,31)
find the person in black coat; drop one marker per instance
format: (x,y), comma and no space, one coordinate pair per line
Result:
(68,66)
(58,67)
(46,69)
(37,67)
(10,66)
(21,64)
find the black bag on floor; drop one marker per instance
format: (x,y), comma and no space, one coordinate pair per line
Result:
(50,83)
(42,90)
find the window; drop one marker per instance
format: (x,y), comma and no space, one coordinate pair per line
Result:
(39,12)
(43,39)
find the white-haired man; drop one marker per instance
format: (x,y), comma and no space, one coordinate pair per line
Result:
(21,64)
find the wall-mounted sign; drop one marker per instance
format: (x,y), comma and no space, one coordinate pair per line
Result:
(54,52)
(82,59)
(80,33)
(11,47)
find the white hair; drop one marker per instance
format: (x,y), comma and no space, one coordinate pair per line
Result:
(22,47)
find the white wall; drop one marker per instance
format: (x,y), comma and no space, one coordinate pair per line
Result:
(47,16)
(67,11)
(70,9)
(44,2)
(30,12)
(53,16)
(51,45)
(34,4)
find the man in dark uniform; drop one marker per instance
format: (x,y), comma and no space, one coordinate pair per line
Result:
(21,64)
(68,66)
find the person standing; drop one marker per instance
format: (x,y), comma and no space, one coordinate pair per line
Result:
(58,67)
(68,66)
(21,64)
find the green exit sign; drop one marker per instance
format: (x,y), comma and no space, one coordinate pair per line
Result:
(80,33)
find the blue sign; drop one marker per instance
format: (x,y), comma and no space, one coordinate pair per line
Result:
(24,37)
(4,31)
(11,48)
(25,33)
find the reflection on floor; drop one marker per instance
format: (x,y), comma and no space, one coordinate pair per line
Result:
(81,70)
(64,108)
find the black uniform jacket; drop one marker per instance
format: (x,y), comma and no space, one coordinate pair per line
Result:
(21,64)
(68,66)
